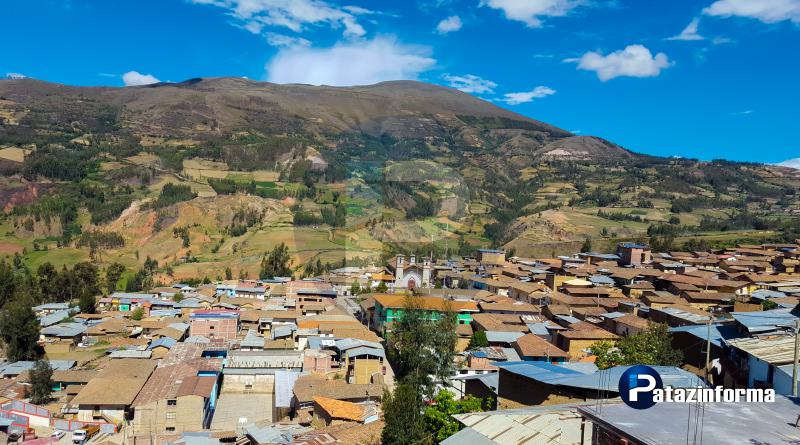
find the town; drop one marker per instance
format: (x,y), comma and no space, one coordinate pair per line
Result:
(534,350)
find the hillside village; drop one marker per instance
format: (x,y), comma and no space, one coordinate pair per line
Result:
(285,361)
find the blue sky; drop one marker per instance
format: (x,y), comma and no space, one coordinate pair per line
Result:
(705,79)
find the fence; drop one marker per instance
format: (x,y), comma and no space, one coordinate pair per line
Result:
(72,425)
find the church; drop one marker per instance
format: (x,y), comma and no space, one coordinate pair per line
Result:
(411,274)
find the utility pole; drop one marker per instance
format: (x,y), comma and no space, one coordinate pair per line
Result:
(794,366)
(708,344)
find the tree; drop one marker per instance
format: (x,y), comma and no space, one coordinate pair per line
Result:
(178,297)
(228,273)
(650,347)
(402,411)
(381,287)
(87,303)
(41,382)
(47,275)
(355,289)
(587,245)
(421,349)
(113,274)
(478,340)
(276,263)
(438,418)
(137,314)
(86,274)
(19,330)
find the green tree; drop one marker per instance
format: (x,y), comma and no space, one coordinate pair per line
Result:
(178,297)
(421,349)
(652,346)
(438,417)
(276,263)
(87,275)
(87,303)
(41,382)
(19,330)
(113,274)
(137,314)
(478,340)
(381,287)
(355,289)
(402,411)
(587,245)
(47,275)
(228,273)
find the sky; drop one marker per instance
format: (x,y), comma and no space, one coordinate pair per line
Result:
(704,79)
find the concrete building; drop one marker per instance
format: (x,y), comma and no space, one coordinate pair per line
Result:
(633,254)
(109,396)
(214,324)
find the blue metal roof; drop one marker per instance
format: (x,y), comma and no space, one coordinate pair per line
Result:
(538,328)
(64,330)
(601,279)
(502,336)
(163,341)
(585,378)
(763,294)
(766,320)
(719,332)
(567,318)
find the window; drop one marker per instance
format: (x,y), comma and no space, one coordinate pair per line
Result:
(170,428)
(248,387)
(211,327)
(170,416)
(172,402)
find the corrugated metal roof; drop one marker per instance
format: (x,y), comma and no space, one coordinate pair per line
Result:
(718,332)
(503,336)
(766,320)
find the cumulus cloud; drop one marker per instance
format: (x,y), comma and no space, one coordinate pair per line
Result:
(284,41)
(15,76)
(633,61)
(450,24)
(254,15)
(470,83)
(767,11)
(690,32)
(353,63)
(531,12)
(134,78)
(527,96)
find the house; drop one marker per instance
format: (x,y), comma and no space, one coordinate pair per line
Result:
(755,362)
(577,342)
(214,324)
(304,292)
(633,254)
(177,398)
(491,256)
(390,307)
(307,387)
(533,348)
(109,396)
(628,324)
(329,412)
(552,384)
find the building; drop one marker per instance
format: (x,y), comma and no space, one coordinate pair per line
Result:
(214,324)
(178,397)
(633,254)
(337,412)
(533,348)
(491,256)
(411,274)
(109,396)
(390,307)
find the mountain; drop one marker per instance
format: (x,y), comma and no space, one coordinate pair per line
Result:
(208,108)
(341,174)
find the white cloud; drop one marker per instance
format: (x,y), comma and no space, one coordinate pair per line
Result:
(450,24)
(15,76)
(527,96)
(353,63)
(690,32)
(134,78)
(794,163)
(470,83)
(767,11)
(284,41)
(743,113)
(254,15)
(633,61)
(531,12)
